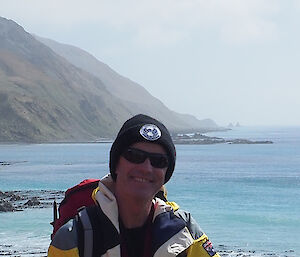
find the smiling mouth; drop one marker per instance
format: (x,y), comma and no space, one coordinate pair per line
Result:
(142,180)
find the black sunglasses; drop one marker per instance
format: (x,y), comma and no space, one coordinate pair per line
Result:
(137,156)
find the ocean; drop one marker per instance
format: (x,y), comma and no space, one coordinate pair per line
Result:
(245,197)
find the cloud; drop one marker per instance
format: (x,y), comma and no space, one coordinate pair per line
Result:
(245,31)
(296,4)
(156,22)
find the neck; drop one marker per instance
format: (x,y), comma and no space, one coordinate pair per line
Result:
(133,212)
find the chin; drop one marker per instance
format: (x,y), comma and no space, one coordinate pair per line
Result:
(140,194)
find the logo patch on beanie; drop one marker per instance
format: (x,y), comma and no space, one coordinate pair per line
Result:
(150,132)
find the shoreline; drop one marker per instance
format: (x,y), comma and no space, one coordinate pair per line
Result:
(179,139)
(224,251)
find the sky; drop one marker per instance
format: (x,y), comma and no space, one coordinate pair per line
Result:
(227,60)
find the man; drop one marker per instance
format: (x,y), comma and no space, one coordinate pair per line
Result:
(128,220)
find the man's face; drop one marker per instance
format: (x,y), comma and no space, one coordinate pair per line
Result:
(142,180)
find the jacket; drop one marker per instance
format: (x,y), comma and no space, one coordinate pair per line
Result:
(174,231)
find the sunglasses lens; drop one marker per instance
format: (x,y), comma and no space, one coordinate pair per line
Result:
(138,156)
(134,156)
(159,161)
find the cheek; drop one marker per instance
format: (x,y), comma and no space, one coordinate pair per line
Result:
(122,166)
(118,170)
(117,167)
(161,174)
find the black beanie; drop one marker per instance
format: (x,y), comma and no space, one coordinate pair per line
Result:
(142,128)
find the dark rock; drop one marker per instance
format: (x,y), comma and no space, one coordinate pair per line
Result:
(9,194)
(290,251)
(33,202)
(6,206)
(4,163)
(15,198)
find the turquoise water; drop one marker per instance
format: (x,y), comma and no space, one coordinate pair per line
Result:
(245,197)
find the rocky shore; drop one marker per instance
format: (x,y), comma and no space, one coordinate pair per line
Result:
(11,201)
(200,139)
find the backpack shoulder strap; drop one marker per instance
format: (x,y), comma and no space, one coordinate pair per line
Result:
(88,233)
(95,232)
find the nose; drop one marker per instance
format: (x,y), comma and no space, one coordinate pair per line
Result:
(146,166)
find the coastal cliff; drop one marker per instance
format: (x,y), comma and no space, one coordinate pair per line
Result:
(46,97)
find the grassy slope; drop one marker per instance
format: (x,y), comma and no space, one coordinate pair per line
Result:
(46,98)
